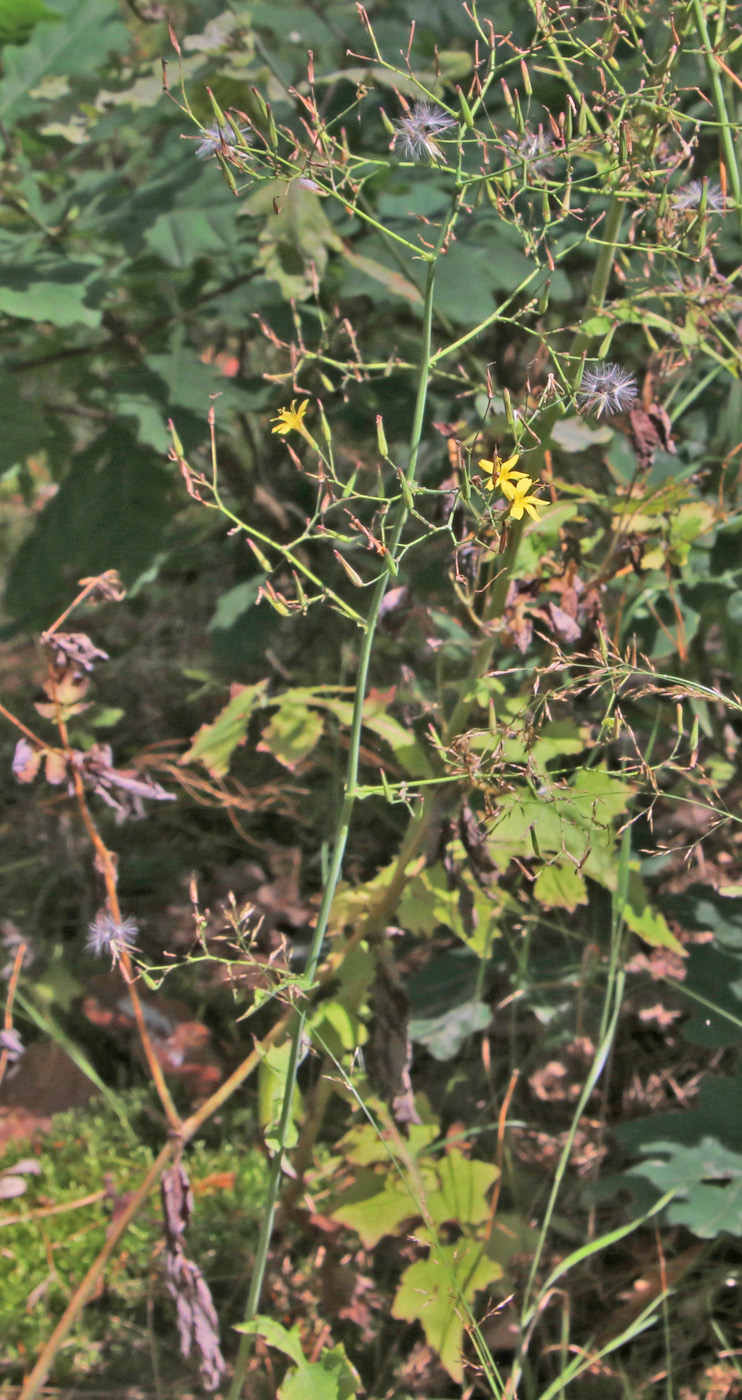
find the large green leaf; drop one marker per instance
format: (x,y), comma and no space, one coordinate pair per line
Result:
(697,1153)
(433,1290)
(25,428)
(330,1377)
(49,289)
(83,36)
(18,17)
(111,512)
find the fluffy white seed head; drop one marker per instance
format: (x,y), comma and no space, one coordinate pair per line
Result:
(606,388)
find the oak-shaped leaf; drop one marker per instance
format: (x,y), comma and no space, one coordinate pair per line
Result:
(438,1291)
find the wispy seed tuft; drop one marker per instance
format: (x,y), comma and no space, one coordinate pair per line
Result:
(415,134)
(112,937)
(606,388)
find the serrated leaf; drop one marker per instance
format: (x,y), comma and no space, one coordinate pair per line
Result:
(431,1293)
(215,743)
(460,1195)
(331,1377)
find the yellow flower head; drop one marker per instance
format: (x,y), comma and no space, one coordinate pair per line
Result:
(501,474)
(291,420)
(520,500)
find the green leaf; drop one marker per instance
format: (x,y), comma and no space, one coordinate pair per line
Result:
(111,512)
(18,17)
(560,886)
(215,743)
(375,1205)
(296,239)
(575,435)
(272,1073)
(49,289)
(701,907)
(698,1154)
(460,1195)
(648,923)
(84,37)
(331,1377)
(443,1035)
(234,603)
(713,987)
(432,1291)
(25,427)
(292,733)
(185,234)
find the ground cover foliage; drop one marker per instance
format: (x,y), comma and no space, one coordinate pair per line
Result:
(371,905)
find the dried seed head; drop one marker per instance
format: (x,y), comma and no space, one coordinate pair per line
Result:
(536,148)
(217,140)
(689,196)
(107,935)
(416,132)
(606,388)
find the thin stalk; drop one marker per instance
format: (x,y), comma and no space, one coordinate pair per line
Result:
(346,812)
(720,104)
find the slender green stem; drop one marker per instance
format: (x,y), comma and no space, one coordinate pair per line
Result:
(720,104)
(346,812)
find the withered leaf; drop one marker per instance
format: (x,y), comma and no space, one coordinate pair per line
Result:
(121,788)
(389,1052)
(74,648)
(198,1324)
(107,585)
(177,1202)
(564,625)
(650,429)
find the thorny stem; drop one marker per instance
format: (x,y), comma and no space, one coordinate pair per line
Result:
(346,811)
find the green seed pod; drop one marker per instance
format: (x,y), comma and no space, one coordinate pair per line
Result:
(465,110)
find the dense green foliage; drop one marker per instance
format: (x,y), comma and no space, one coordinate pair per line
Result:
(389,356)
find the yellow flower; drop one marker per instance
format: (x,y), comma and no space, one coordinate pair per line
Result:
(501,474)
(291,420)
(520,500)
